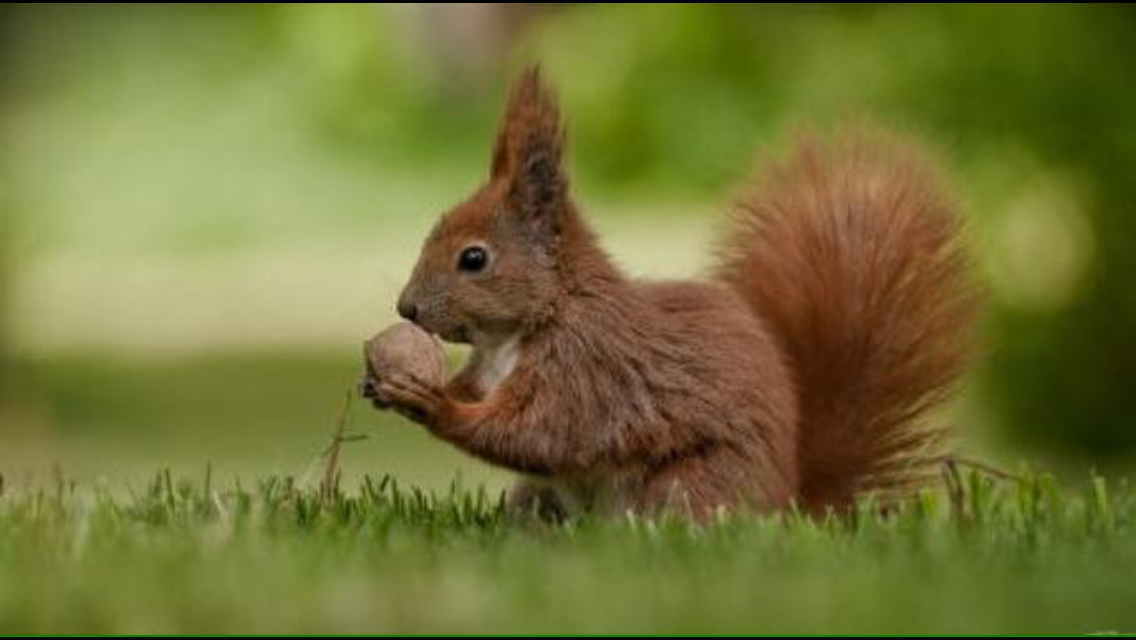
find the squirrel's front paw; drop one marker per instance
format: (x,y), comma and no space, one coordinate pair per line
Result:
(410,397)
(369,389)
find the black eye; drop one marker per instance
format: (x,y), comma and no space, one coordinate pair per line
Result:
(472,259)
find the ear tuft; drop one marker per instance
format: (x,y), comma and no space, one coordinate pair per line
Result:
(531,139)
(539,185)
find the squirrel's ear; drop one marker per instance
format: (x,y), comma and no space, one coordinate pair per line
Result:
(530,145)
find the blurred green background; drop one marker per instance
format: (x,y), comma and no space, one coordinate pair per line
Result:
(205,209)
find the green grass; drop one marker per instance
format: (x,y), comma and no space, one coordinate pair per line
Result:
(111,548)
(197,555)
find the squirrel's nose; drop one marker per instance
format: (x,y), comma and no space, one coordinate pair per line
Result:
(407,309)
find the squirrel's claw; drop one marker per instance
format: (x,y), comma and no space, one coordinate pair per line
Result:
(411,397)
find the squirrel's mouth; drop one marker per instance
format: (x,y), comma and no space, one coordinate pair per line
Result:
(449,330)
(453,335)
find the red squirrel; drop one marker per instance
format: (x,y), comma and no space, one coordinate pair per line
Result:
(799,373)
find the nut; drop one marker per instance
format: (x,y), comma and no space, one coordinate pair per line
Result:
(406,349)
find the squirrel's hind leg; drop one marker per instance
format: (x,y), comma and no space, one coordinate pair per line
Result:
(529,497)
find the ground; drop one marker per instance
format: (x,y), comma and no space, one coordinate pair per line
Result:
(186,498)
(198,555)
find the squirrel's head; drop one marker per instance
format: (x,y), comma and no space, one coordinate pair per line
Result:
(490,267)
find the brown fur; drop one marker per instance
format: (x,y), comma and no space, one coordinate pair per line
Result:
(851,252)
(614,394)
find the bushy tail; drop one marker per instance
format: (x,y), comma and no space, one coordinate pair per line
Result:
(850,253)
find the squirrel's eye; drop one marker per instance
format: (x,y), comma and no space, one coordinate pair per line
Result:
(473,259)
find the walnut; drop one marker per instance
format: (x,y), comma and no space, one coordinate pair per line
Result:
(402,348)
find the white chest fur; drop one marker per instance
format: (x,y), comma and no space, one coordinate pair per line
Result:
(495,361)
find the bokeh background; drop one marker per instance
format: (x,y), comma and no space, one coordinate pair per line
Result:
(204,210)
